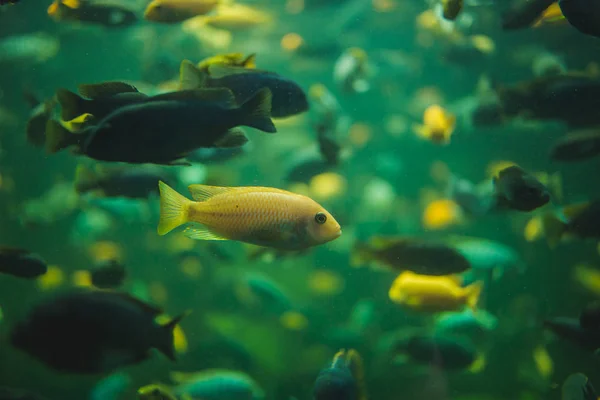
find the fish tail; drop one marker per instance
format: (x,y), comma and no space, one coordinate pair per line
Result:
(71,104)
(173,209)
(257,111)
(473,292)
(58,137)
(167,345)
(554,228)
(85,179)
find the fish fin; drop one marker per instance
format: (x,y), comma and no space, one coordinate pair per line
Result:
(190,76)
(167,345)
(72,105)
(574,210)
(85,179)
(78,123)
(257,111)
(478,365)
(472,292)
(105,89)
(201,232)
(219,95)
(234,137)
(356,365)
(554,228)
(73,4)
(173,209)
(205,192)
(221,70)
(58,137)
(149,308)
(53,9)
(250,61)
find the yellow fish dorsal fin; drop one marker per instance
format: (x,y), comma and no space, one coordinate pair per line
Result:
(53,8)
(250,61)
(190,76)
(105,89)
(201,232)
(205,192)
(74,4)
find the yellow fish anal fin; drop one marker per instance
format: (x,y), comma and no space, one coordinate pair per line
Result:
(205,192)
(105,89)
(200,232)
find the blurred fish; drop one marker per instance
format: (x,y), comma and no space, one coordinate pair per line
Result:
(93,332)
(40,113)
(7,393)
(132,182)
(444,352)
(577,146)
(216,384)
(228,59)
(583,16)
(571,330)
(173,11)
(433,293)
(578,387)
(102,99)
(156,392)
(351,71)
(269,217)
(589,318)
(518,190)
(108,15)
(119,209)
(263,293)
(21,263)
(28,49)
(58,202)
(11,2)
(466,322)
(451,8)
(412,254)
(474,200)
(108,274)
(343,379)
(110,388)
(234,17)
(438,125)
(288,98)
(488,259)
(580,220)
(165,121)
(524,13)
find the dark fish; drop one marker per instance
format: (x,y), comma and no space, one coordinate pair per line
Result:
(578,387)
(583,15)
(518,190)
(18,394)
(21,263)
(102,99)
(131,182)
(524,13)
(570,97)
(165,128)
(570,329)
(474,200)
(342,380)
(580,220)
(330,149)
(589,319)
(88,332)
(445,352)
(304,167)
(39,116)
(3,2)
(108,15)
(412,254)
(108,274)
(215,155)
(577,146)
(288,98)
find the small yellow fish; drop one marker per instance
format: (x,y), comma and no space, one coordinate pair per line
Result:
(155,392)
(438,125)
(257,215)
(173,11)
(433,293)
(236,17)
(229,59)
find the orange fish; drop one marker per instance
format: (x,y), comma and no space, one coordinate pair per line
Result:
(257,215)
(433,293)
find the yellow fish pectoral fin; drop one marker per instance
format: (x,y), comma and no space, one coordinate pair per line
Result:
(204,192)
(201,232)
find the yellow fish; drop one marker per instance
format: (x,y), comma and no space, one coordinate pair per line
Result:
(257,215)
(438,125)
(173,11)
(229,59)
(433,293)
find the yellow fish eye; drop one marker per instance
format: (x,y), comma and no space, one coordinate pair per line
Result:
(320,218)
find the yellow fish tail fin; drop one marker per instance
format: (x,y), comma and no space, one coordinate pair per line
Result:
(257,111)
(473,292)
(58,137)
(173,209)
(554,228)
(71,104)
